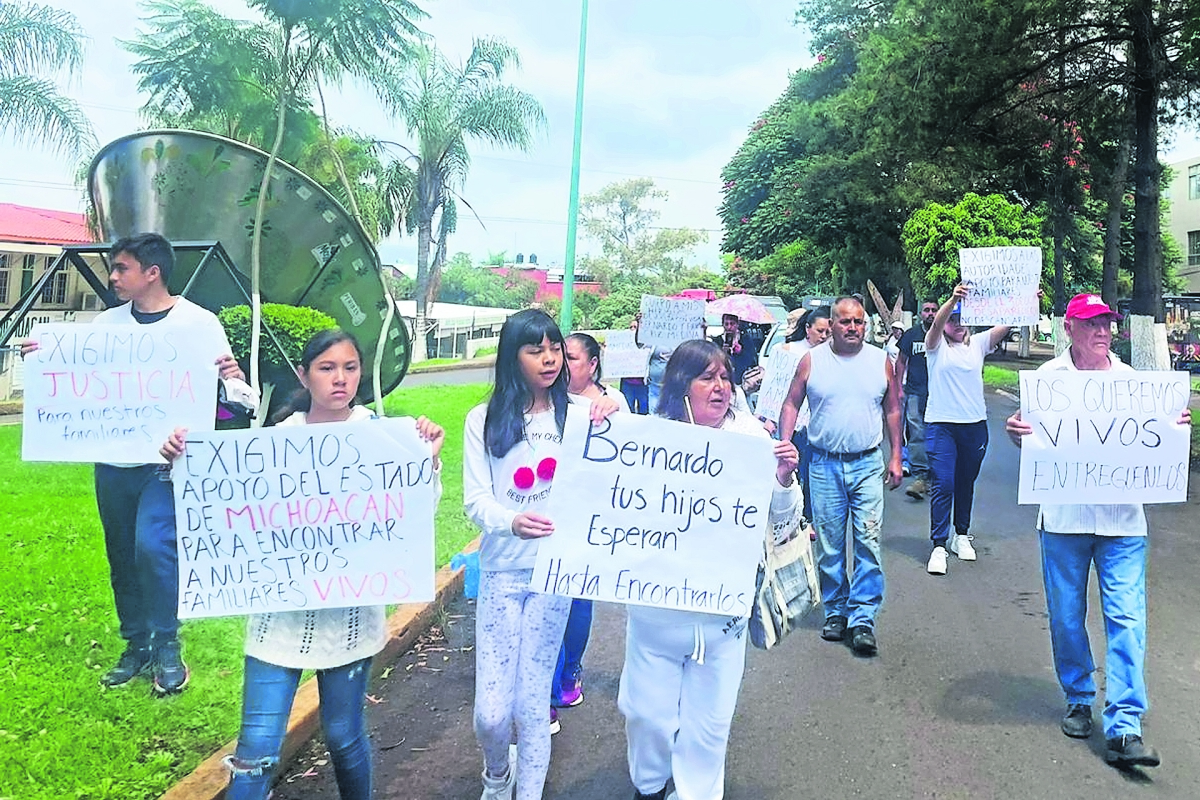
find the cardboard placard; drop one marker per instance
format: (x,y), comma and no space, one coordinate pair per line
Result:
(1004,285)
(1104,437)
(114,393)
(781,369)
(667,321)
(305,516)
(621,356)
(660,513)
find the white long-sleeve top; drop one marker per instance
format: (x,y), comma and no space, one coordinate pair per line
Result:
(321,638)
(1101,519)
(494,493)
(784,502)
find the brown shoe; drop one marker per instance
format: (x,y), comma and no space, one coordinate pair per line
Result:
(917,489)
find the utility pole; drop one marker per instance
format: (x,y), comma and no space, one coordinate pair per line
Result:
(568,302)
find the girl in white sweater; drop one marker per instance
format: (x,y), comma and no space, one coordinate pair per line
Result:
(510,454)
(336,642)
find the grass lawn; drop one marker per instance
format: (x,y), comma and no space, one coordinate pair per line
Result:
(62,735)
(1000,378)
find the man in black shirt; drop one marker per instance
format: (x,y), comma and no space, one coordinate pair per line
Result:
(912,374)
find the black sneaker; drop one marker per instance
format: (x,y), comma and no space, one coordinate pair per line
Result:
(1130,751)
(659,795)
(1078,722)
(170,673)
(834,629)
(135,661)
(862,641)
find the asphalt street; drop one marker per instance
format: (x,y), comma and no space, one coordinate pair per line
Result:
(961,702)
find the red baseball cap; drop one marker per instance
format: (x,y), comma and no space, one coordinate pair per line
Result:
(1086,306)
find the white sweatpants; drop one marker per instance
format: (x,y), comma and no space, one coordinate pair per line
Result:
(517,637)
(678,692)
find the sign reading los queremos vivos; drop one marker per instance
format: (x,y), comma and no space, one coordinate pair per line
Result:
(1104,437)
(301,517)
(114,393)
(659,513)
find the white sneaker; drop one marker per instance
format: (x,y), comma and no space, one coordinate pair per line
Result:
(937,562)
(961,547)
(501,788)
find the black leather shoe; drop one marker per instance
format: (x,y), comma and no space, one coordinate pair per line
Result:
(862,641)
(659,795)
(1078,722)
(1130,751)
(135,661)
(835,628)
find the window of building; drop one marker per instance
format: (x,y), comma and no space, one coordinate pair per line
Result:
(4,275)
(55,291)
(1194,182)
(27,272)
(1193,253)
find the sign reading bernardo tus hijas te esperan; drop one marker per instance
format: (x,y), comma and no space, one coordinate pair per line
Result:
(653,512)
(1104,437)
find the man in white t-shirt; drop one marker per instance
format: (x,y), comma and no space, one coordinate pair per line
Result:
(853,397)
(1113,537)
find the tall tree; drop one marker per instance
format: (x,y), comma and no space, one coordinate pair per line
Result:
(323,39)
(442,105)
(621,218)
(36,43)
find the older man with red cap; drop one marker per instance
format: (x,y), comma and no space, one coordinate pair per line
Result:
(1113,537)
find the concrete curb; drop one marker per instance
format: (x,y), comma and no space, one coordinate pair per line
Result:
(209,780)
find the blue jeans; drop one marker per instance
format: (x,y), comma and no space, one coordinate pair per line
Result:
(570,655)
(849,494)
(914,425)
(1121,570)
(637,395)
(956,451)
(137,512)
(267,694)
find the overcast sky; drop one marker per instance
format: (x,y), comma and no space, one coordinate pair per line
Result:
(672,86)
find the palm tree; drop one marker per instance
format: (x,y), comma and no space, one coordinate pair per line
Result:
(441,105)
(323,39)
(36,42)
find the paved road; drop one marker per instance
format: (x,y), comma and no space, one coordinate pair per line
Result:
(961,703)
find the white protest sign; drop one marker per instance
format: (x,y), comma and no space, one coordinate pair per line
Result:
(653,512)
(666,322)
(305,516)
(1104,437)
(781,368)
(114,393)
(622,358)
(1004,284)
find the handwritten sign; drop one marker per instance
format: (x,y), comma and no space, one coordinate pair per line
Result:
(114,393)
(781,368)
(622,358)
(666,322)
(1004,285)
(306,516)
(1104,437)
(659,513)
